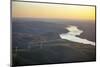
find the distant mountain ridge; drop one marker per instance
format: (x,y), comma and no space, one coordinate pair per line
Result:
(40,26)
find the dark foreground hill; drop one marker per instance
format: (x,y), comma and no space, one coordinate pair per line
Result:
(60,51)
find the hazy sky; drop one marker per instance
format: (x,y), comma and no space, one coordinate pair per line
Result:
(41,10)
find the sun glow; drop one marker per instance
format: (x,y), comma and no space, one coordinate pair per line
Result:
(43,10)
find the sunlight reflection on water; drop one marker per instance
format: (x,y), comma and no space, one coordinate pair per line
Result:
(71,35)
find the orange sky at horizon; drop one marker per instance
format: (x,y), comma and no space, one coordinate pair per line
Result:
(58,11)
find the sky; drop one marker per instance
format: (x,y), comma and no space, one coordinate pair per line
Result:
(56,11)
